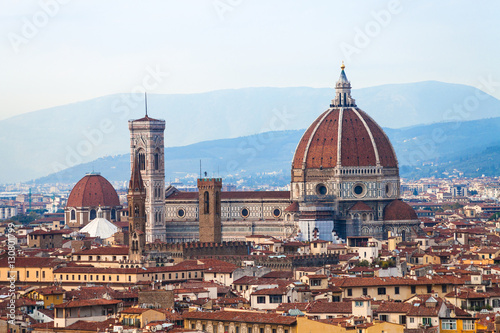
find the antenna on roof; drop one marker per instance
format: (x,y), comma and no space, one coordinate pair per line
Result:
(146,102)
(200,169)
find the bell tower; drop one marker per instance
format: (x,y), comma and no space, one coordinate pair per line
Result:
(146,143)
(136,199)
(209,211)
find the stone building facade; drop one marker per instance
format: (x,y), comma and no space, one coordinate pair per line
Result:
(243,213)
(344,182)
(345,176)
(147,142)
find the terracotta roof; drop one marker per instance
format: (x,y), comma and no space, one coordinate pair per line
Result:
(253,281)
(81,303)
(231,301)
(89,292)
(93,326)
(393,307)
(347,282)
(91,191)
(308,269)
(33,262)
(278,275)
(419,308)
(105,250)
(467,293)
(243,316)
(50,232)
(221,289)
(294,207)
(318,307)
(50,291)
(146,118)
(194,290)
(320,143)
(316,276)
(218,266)
(360,206)
(398,210)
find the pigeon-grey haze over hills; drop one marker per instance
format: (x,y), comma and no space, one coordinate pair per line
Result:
(471,147)
(47,141)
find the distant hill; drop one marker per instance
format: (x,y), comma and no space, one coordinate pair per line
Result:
(244,157)
(47,141)
(471,148)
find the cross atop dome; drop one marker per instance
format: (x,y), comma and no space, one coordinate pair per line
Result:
(343,91)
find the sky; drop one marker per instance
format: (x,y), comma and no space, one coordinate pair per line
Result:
(55,52)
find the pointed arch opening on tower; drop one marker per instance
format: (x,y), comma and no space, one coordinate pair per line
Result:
(156,159)
(206,202)
(141,156)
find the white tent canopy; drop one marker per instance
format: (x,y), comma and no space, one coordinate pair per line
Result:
(100,227)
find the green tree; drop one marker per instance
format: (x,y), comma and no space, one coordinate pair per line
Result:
(363,263)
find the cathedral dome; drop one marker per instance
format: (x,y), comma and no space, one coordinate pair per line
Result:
(344,136)
(91,191)
(398,210)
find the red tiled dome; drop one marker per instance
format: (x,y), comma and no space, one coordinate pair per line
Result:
(361,142)
(93,190)
(398,210)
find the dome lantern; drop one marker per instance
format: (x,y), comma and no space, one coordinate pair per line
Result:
(343,91)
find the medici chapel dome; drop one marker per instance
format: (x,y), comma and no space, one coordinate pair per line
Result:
(93,190)
(91,193)
(344,136)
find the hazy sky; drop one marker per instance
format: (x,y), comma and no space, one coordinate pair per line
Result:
(57,52)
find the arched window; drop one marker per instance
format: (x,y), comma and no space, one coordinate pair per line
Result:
(156,160)
(206,201)
(136,211)
(73,215)
(142,160)
(92,214)
(113,214)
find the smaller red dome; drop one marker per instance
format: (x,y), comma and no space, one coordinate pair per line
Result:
(398,210)
(91,191)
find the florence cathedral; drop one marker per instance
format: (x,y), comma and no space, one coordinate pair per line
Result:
(344,183)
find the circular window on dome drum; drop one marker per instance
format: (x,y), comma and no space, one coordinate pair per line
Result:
(245,212)
(359,190)
(181,213)
(277,212)
(321,189)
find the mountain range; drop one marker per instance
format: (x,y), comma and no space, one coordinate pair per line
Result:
(470,148)
(47,141)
